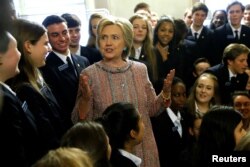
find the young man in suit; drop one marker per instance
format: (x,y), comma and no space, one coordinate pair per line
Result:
(62,68)
(199,33)
(231,32)
(231,73)
(74,27)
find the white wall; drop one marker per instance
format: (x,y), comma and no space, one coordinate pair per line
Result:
(124,8)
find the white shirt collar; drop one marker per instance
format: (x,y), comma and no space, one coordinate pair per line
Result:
(78,52)
(176,119)
(233,29)
(231,74)
(63,57)
(132,157)
(199,31)
(172,116)
(138,53)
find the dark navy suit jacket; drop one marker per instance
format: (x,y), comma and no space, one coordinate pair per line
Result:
(64,82)
(170,144)
(227,87)
(223,36)
(203,43)
(92,54)
(118,160)
(19,135)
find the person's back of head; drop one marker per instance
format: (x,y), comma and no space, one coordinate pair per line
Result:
(120,120)
(52,19)
(219,132)
(7,15)
(65,157)
(143,6)
(90,137)
(181,30)
(72,20)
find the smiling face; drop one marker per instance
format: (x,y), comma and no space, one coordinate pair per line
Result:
(59,37)
(111,43)
(9,60)
(242,104)
(219,19)
(165,33)
(39,51)
(204,90)
(198,18)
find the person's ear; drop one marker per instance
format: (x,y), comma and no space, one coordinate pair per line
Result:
(133,134)
(28,46)
(191,132)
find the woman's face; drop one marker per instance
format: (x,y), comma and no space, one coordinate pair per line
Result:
(9,60)
(140,30)
(111,42)
(165,33)
(204,90)
(178,96)
(39,51)
(239,132)
(242,104)
(94,24)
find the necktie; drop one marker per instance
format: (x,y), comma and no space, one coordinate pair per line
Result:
(195,35)
(236,35)
(71,66)
(179,128)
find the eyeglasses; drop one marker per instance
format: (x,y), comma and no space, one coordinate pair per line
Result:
(246,104)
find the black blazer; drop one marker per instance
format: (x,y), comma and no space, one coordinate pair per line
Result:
(227,87)
(174,61)
(63,82)
(19,135)
(118,160)
(168,140)
(92,54)
(188,57)
(223,36)
(203,43)
(47,114)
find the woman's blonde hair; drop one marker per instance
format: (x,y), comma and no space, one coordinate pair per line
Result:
(65,157)
(192,98)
